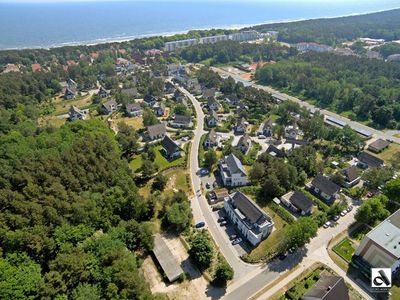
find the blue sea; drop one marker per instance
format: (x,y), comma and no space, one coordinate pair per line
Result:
(33,25)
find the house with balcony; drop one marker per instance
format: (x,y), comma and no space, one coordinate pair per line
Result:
(252,222)
(232,171)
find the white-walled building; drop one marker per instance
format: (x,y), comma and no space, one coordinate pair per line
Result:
(213,39)
(232,171)
(172,46)
(252,222)
(242,36)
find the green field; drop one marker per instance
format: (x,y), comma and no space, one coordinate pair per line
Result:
(345,249)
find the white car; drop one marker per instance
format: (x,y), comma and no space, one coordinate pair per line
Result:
(343,213)
(327,224)
(262,137)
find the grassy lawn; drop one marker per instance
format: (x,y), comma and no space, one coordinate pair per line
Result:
(160,160)
(51,121)
(135,122)
(269,244)
(62,106)
(387,154)
(345,249)
(163,163)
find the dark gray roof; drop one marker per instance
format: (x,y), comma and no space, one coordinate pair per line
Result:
(107,105)
(241,122)
(325,185)
(301,201)
(169,145)
(207,93)
(379,145)
(329,288)
(213,115)
(278,152)
(75,110)
(232,98)
(234,164)
(351,173)
(245,139)
(370,159)
(157,129)
(130,107)
(248,208)
(131,92)
(212,136)
(212,101)
(182,119)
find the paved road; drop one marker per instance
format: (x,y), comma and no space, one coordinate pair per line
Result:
(355,125)
(201,209)
(251,278)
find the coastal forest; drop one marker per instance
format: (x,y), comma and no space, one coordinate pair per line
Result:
(362,89)
(334,31)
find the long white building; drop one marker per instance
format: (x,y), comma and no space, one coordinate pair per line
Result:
(242,36)
(172,46)
(252,222)
(213,39)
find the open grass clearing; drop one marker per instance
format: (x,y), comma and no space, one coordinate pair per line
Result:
(345,249)
(62,106)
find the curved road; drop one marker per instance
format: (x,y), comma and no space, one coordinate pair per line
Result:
(249,279)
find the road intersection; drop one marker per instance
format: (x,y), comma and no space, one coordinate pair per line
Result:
(249,278)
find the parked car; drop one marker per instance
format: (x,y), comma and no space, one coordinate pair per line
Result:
(291,250)
(343,213)
(335,218)
(221,219)
(208,185)
(236,241)
(215,184)
(327,224)
(350,208)
(261,136)
(200,224)
(204,172)
(223,223)
(233,237)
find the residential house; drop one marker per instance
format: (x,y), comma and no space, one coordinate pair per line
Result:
(103,93)
(36,68)
(351,177)
(241,108)
(241,126)
(159,108)
(211,139)
(132,93)
(70,90)
(266,128)
(212,119)
(157,131)
(276,152)
(291,132)
(378,146)
(180,97)
(232,99)
(150,100)
(175,70)
(328,288)
(75,113)
(208,93)
(252,222)
(171,149)
(213,104)
(298,202)
(380,248)
(181,121)
(232,171)
(244,143)
(133,109)
(366,160)
(194,86)
(11,68)
(169,87)
(324,188)
(109,107)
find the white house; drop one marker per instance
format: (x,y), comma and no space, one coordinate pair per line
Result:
(252,222)
(133,109)
(232,171)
